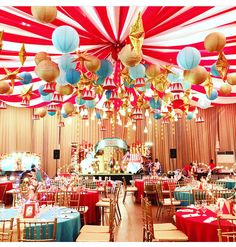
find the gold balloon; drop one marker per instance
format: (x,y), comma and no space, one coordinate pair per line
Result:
(215,42)
(40,56)
(42,111)
(153,70)
(4,87)
(47,70)
(225,89)
(196,75)
(64,90)
(44,14)
(68,108)
(231,78)
(92,63)
(129,57)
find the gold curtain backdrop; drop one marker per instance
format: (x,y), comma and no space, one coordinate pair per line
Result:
(193,141)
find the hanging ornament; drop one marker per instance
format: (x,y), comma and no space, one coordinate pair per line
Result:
(44,14)
(222,65)
(26,94)
(4,87)
(231,78)
(3,105)
(208,85)
(22,54)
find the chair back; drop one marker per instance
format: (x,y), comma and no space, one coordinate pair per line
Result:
(36,231)
(226,228)
(199,195)
(222,194)
(221,184)
(149,186)
(149,219)
(74,199)
(3,188)
(144,218)
(159,193)
(6,231)
(112,220)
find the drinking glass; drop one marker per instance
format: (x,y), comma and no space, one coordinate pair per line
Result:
(204,207)
(2,206)
(197,206)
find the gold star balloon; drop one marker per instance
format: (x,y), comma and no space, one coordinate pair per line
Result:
(208,85)
(11,75)
(27,92)
(22,54)
(222,65)
(1,39)
(167,69)
(137,34)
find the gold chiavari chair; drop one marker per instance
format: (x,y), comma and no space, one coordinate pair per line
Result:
(200,195)
(36,231)
(46,198)
(222,194)
(6,230)
(226,228)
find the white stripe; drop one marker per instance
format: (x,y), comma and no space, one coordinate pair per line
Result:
(114,15)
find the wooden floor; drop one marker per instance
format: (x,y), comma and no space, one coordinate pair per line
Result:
(130,227)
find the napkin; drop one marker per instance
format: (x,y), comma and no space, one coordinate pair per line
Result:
(209,220)
(185,210)
(190,215)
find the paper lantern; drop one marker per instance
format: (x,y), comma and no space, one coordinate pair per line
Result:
(42,111)
(105,69)
(4,87)
(214,42)
(213,95)
(145,88)
(26,77)
(153,70)
(108,94)
(57,98)
(47,70)
(173,77)
(231,78)
(88,95)
(129,57)
(47,98)
(157,116)
(25,101)
(100,81)
(65,39)
(61,79)
(52,113)
(114,96)
(64,115)
(65,62)
(155,103)
(140,82)
(35,117)
(137,71)
(65,90)
(72,76)
(214,71)
(204,103)
(93,64)
(79,101)
(68,108)
(176,88)
(196,75)
(44,14)
(225,89)
(41,90)
(90,103)
(109,84)
(188,58)
(40,56)
(189,116)
(52,108)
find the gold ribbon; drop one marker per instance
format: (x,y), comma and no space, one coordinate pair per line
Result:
(222,65)
(22,54)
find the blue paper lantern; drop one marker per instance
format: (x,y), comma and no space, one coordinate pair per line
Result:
(204,103)
(155,104)
(214,71)
(52,113)
(173,77)
(61,80)
(137,71)
(26,77)
(186,85)
(47,98)
(188,58)
(90,103)
(108,94)
(65,39)
(79,101)
(157,116)
(72,76)
(100,81)
(213,95)
(146,87)
(66,62)
(189,116)
(64,115)
(41,92)
(105,69)
(98,115)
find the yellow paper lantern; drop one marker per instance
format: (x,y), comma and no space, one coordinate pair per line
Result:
(42,111)
(153,70)
(196,75)
(231,78)
(4,87)
(93,64)
(225,89)
(47,70)
(44,14)
(40,56)
(65,90)
(68,108)
(129,57)
(215,42)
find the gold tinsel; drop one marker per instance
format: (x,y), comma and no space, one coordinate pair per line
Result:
(208,85)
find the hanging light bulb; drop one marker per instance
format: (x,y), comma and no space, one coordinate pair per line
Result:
(92,117)
(145,130)
(131,97)
(134,127)
(128,110)
(111,121)
(149,121)
(85,111)
(146,113)
(99,122)
(104,116)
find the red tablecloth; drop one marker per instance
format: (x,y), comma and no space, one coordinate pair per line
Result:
(65,174)
(7,197)
(139,183)
(195,227)
(90,198)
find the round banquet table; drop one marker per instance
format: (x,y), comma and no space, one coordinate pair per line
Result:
(7,197)
(90,198)
(181,195)
(230,183)
(139,183)
(196,229)
(68,221)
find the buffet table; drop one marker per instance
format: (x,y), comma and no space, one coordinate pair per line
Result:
(68,224)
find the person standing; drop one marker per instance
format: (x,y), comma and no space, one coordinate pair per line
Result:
(156,167)
(212,165)
(186,171)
